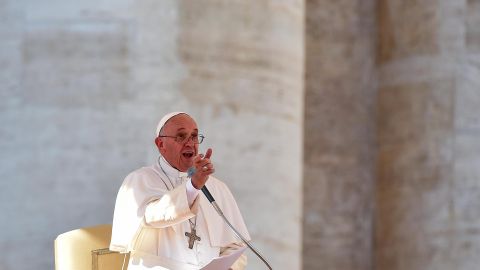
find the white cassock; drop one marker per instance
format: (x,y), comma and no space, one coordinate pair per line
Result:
(152,216)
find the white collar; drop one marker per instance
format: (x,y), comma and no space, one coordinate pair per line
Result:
(170,171)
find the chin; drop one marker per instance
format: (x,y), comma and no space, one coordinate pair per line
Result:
(188,165)
(184,166)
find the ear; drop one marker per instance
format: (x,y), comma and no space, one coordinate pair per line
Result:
(159,143)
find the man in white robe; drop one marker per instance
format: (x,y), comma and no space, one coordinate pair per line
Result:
(160,216)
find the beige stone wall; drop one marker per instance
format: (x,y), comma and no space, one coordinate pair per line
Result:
(379,97)
(339,135)
(65,83)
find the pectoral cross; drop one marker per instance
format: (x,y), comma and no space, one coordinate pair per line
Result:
(192,237)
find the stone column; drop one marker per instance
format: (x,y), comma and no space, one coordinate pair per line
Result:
(243,64)
(428,118)
(339,134)
(466,187)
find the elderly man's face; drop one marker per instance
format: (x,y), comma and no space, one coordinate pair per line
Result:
(179,154)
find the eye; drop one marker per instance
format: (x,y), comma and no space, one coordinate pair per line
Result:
(181,137)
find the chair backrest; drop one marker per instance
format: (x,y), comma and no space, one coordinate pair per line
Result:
(87,249)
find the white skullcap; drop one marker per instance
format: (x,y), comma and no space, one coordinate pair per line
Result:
(165,119)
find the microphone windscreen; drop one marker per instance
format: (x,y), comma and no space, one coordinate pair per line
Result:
(191,171)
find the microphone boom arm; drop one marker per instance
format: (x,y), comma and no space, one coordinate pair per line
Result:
(219,211)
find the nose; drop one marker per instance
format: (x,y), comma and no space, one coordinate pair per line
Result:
(190,141)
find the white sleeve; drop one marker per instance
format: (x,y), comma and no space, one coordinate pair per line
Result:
(172,208)
(192,193)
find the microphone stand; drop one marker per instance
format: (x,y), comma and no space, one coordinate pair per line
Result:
(191,171)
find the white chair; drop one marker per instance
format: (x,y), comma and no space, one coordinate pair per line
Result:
(87,249)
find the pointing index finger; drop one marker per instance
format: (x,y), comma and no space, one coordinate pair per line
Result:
(209,153)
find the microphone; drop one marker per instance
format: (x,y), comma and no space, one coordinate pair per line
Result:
(190,172)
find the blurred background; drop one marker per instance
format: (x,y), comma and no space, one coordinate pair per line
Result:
(347,130)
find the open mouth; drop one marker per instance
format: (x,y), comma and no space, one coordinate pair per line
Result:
(188,154)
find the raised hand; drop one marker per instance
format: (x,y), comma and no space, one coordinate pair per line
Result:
(203,168)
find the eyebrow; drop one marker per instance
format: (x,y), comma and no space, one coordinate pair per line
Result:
(180,129)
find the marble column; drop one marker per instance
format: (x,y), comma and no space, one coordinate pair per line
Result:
(428,159)
(339,134)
